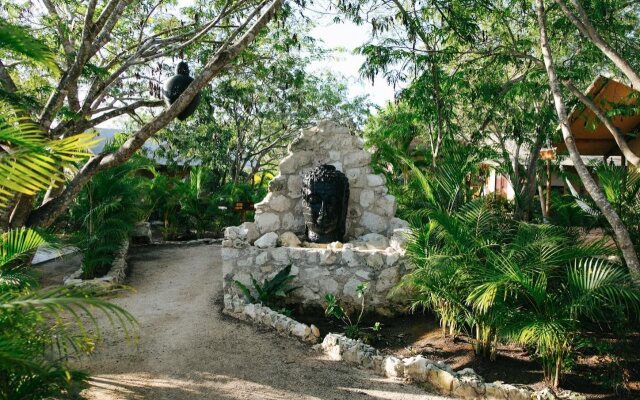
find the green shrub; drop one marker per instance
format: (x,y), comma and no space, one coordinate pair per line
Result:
(272,291)
(105,213)
(353,327)
(195,204)
(39,330)
(536,285)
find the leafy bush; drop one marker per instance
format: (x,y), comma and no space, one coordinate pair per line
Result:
(352,327)
(39,330)
(536,285)
(499,280)
(272,291)
(196,204)
(106,211)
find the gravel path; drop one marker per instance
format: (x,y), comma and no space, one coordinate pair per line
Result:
(189,350)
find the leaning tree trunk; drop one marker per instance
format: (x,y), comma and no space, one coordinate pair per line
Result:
(620,231)
(46,214)
(581,21)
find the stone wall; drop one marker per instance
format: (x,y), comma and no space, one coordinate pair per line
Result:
(373,254)
(371,209)
(337,269)
(114,277)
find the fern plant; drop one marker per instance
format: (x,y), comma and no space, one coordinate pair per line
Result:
(551,291)
(272,291)
(500,280)
(508,281)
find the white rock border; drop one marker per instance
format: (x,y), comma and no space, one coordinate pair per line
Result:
(114,277)
(464,384)
(237,307)
(185,242)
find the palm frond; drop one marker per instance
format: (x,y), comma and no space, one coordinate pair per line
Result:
(33,163)
(17,39)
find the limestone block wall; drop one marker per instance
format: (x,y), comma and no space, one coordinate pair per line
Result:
(336,270)
(371,209)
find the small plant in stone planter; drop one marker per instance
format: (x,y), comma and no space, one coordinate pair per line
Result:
(272,291)
(353,328)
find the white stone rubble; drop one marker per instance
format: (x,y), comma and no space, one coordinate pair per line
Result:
(257,313)
(289,239)
(267,240)
(465,384)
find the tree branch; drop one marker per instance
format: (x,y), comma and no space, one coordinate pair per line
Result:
(587,30)
(617,136)
(78,126)
(48,212)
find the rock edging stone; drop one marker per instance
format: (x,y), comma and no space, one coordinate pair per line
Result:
(236,307)
(114,277)
(464,384)
(185,242)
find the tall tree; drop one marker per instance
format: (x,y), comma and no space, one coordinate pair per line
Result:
(494,76)
(254,110)
(107,46)
(621,233)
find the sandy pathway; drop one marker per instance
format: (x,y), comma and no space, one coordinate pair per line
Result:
(189,350)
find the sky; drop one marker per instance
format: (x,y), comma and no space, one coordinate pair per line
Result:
(344,38)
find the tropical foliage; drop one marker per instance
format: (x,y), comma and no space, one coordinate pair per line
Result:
(106,212)
(40,329)
(199,205)
(272,290)
(30,161)
(502,280)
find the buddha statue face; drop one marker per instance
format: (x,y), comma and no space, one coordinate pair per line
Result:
(325,197)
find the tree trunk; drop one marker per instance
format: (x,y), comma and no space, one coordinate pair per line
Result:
(617,136)
(524,205)
(21,211)
(49,211)
(588,30)
(621,233)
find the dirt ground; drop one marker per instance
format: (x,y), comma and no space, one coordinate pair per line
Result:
(410,335)
(53,272)
(189,350)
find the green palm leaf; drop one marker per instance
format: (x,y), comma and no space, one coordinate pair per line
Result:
(32,163)
(18,40)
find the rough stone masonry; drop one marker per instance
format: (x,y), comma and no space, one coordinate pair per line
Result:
(373,253)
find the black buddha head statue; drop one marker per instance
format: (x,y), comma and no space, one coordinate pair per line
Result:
(177,84)
(325,198)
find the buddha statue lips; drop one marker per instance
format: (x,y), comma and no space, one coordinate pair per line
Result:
(325,197)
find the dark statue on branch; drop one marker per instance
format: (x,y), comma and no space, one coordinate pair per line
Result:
(177,84)
(325,198)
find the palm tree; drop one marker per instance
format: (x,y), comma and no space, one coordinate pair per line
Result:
(39,329)
(105,212)
(549,288)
